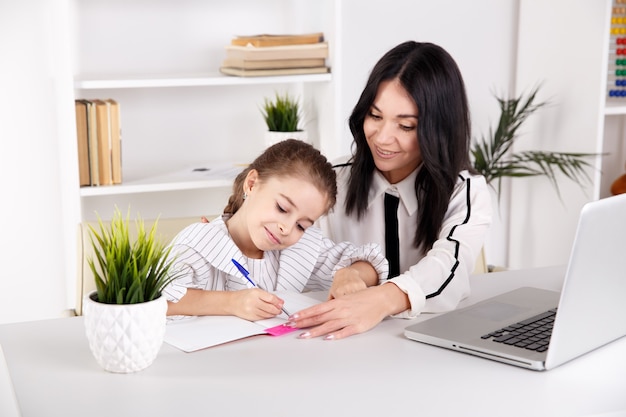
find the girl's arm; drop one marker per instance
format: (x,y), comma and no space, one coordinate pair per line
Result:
(344,267)
(199,287)
(251,304)
(350,314)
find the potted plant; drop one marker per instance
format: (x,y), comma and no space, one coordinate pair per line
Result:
(494,159)
(125,317)
(282,116)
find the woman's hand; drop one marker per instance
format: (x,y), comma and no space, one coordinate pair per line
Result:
(352,313)
(255,304)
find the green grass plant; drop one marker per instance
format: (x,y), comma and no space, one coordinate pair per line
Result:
(128,272)
(282,114)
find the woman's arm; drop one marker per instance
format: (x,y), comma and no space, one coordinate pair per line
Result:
(440,280)
(435,283)
(352,313)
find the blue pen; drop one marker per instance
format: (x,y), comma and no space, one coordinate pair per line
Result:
(244,272)
(246,275)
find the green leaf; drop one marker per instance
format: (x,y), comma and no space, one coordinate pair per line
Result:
(282,114)
(128,272)
(494,159)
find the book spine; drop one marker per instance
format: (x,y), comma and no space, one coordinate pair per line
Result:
(116,141)
(92,130)
(277,52)
(278,40)
(82,137)
(104,142)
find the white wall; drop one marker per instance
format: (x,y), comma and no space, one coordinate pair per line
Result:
(544,223)
(33,75)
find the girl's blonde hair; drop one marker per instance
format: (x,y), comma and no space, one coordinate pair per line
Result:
(289,158)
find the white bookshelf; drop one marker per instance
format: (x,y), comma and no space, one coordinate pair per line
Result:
(616,108)
(179,181)
(177,109)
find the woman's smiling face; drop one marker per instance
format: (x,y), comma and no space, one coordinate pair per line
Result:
(390,128)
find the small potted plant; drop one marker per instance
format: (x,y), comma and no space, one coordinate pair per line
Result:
(125,317)
(282,116)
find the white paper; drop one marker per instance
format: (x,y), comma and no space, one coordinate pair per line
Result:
(195,333)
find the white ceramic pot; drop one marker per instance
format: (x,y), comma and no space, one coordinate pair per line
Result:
(272,137)
(125,337)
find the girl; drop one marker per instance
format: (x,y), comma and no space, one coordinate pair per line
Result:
(411,134)
(267,227)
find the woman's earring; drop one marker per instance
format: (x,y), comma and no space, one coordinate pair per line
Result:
(245,195)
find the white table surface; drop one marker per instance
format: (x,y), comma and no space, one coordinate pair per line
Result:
(377,373)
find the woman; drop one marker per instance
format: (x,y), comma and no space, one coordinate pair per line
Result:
(411,134)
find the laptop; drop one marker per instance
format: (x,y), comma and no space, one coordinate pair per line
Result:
(8,401)
(588,312)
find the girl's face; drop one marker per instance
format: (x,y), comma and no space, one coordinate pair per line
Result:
(391,131)
(280,209)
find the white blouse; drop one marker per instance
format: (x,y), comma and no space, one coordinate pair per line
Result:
(204,254)
(435,280)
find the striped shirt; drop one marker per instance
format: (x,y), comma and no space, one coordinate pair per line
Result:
(204,254)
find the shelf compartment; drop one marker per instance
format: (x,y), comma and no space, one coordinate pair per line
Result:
(214,79)
(615,108)
(190,178)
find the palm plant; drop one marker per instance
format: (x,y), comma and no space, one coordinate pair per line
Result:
(128,273)
(281,114)
(494,159)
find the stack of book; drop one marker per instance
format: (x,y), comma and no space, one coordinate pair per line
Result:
(267,55)
(99,142)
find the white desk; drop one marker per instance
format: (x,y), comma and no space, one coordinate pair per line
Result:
(378,373)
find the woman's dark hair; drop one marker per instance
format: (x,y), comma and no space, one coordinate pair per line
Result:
(289,158)
(432,78)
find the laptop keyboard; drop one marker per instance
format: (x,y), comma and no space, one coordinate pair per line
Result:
(533,333)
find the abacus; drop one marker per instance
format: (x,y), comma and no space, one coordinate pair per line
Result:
(617,56)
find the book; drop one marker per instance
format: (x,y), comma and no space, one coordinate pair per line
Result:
(116,141)
(104,141)
(272,72)
(276,40)
(194,333)
(273,63)
(92,134)
(252,53)
(82,137)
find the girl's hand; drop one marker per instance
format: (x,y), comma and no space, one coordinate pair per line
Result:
(354,278)
(346,281)
(255,304)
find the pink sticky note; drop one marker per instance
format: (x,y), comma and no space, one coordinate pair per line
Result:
(280,330)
